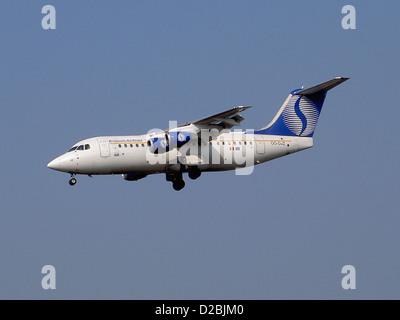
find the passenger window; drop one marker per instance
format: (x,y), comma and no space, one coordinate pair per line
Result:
(119,146)
(131,145)
(87,146)
(234,143)
(142,145)
(80,147)
(137,146)
(125,145)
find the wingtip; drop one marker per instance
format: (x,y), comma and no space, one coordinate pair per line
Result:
(243,107)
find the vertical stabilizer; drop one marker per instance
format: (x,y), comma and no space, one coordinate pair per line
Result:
(300,112)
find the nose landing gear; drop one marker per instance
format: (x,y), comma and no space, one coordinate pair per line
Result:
(72,181)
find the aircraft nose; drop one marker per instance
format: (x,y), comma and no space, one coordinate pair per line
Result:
(52,164)
(62,163)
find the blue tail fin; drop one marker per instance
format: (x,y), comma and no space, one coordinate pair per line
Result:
(299,114)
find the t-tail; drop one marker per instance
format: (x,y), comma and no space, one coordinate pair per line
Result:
(299,114)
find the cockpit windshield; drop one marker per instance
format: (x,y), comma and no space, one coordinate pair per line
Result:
(81,147)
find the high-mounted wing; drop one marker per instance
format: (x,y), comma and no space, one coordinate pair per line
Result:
(226,119)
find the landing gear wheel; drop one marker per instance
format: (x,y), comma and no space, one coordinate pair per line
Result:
(72,181)
(194,174)
(178,185)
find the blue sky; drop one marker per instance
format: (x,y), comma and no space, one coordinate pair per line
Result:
(117,67)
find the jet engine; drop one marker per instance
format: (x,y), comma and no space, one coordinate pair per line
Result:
(171,140)
(178,139)
(158,144)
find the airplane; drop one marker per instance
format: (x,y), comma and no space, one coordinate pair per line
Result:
(204,145)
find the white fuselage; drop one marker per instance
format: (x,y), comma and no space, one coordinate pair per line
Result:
(202,145)
(130,154)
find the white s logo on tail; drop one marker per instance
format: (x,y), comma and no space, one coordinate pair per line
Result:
(300,115)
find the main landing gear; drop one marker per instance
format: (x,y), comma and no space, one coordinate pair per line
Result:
(72,181)
(177,181)
(194,174)
(178,184)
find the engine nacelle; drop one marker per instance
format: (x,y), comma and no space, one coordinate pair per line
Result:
(179,138)
(133,176)
(164,143)
(158,144)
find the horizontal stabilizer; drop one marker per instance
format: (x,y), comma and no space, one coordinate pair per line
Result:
(323,87)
